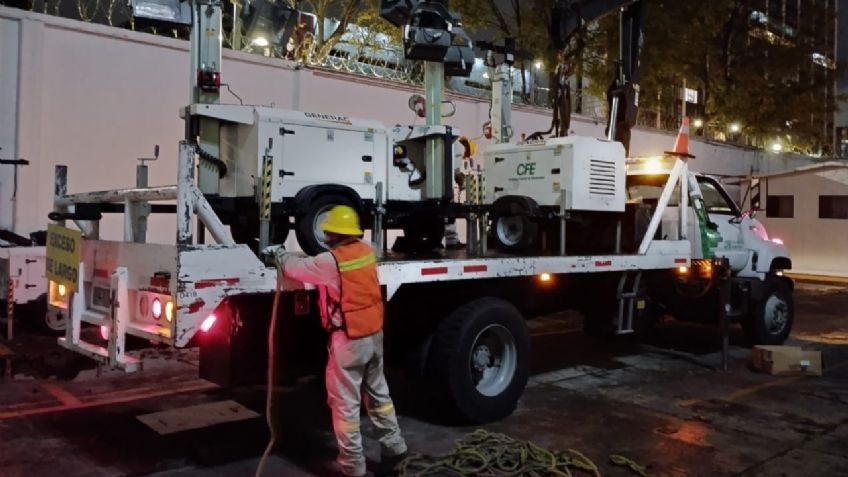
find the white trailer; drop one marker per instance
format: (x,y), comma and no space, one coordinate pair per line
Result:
(438,305)
(23,288)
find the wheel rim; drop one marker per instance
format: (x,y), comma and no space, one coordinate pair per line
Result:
(317,231)
(55,321)
(776,314)
(510,230)
(493,360)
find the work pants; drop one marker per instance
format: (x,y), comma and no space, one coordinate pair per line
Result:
(355,369)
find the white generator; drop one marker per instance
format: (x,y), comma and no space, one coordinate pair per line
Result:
(591,171)
(307,148)
(22,279)
(308,162)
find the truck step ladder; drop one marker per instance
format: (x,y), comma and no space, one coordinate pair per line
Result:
(627,301)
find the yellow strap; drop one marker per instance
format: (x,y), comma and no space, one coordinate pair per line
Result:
(357,263)
(347,426)
(384,409)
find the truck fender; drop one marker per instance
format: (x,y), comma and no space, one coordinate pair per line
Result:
(308,194)
(781,263)
(511,205)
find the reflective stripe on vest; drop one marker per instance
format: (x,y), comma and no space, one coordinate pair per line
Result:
(361,296)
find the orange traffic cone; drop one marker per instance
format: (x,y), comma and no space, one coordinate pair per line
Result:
(681,145)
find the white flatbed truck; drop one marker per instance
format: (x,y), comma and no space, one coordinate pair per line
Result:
(457,319)
(465,310)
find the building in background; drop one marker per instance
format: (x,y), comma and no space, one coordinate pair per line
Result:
(813,26)
(842,80)
(807,209)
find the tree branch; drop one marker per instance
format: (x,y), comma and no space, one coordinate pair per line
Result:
(502,23)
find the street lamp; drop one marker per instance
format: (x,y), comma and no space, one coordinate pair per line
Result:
(538,65)
(735,128)
(698,123)
(777,147)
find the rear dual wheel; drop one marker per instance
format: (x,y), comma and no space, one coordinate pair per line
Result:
(480,357)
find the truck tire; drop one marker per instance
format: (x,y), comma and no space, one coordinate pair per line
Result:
(514,233)
(43,321)
(480,357)
(771,320)
(310,237)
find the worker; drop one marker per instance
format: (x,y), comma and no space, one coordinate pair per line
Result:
(351,305)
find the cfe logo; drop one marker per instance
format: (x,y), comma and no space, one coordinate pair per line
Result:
(527,169)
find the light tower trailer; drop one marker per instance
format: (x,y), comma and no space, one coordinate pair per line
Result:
(456,318)
(23,288)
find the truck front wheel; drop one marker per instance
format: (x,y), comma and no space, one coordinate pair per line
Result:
(772,317)
(480,356)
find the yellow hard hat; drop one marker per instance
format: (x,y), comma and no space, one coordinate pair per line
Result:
(342,220)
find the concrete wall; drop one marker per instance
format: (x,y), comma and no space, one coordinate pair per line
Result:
(9,49)
(842,58)
(96,98)
(818,246)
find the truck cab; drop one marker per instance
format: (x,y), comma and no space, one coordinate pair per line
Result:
(761,295)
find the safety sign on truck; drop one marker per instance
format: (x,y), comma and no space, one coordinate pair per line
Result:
(64,247)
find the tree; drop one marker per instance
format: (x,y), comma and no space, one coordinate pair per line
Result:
(338,14)
(526,21)
(747,72)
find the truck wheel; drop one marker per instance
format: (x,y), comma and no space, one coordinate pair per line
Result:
(514,233)
(481,357)
(310,237)
(772,317)
(48,322)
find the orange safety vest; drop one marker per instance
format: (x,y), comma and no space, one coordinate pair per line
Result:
(361,296)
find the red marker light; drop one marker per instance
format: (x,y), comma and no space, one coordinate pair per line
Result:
(104,332)
(207,323)
(157,309)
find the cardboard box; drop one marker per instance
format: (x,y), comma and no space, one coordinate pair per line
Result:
(786,360)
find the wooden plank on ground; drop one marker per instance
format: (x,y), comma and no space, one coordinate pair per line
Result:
(196,417)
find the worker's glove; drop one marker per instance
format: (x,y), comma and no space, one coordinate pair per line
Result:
(273,254)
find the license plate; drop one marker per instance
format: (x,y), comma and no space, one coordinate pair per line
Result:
(100,297)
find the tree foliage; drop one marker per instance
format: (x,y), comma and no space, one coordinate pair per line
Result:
(763,80)
(337,14)
(766,82)
(524,20)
